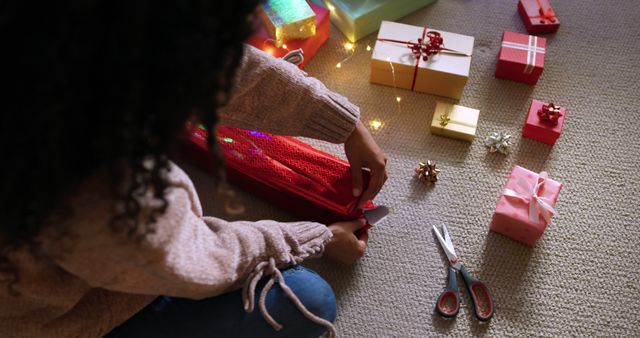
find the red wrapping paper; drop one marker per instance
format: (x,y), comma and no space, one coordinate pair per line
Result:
(284,171)
(538,16)
(521,57)
(261,39)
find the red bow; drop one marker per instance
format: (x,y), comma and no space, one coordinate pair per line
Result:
(548,15)
(550,113)
(424,50)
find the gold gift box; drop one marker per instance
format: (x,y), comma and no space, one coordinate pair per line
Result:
(455,121)
(444,74)
(288,20)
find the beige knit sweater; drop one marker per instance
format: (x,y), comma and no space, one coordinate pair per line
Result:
(100,279)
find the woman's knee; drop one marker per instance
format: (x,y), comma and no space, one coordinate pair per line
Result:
(313,291)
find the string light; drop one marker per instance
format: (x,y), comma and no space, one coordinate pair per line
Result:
(284,46)
(349,46)
(368,48)
(227,140)
(339,65)
(375,124)
(398,98)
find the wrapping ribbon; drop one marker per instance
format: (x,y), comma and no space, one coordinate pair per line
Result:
(423,50)
(550,113)
(537,205)
(545,15)
(532,51)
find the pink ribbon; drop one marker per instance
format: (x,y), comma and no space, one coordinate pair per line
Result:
(537,205)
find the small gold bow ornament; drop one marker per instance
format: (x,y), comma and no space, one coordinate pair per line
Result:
(427,172)
(444,120)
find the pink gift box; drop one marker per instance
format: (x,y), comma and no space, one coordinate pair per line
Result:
(539,129)
(521,57)
(538,16)
(526,206)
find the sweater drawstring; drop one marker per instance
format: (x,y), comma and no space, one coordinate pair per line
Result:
(248,295)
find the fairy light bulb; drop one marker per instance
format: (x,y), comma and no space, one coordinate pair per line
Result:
(398,99)
(284,46)
(349,46)
(375,124)
(339,65)
(368,48)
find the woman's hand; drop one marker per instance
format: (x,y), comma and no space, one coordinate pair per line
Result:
(363,152)
(344,247)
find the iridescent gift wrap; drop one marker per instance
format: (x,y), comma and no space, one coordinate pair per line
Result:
(288,20)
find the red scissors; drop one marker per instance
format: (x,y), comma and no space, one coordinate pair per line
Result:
(448,303)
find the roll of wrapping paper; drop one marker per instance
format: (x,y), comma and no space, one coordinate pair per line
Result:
(288,19)
(285,172)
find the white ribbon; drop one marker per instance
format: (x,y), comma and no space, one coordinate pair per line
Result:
(537,205)
(532,51)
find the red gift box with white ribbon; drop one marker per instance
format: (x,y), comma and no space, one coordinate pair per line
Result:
(538,16)
(521,57)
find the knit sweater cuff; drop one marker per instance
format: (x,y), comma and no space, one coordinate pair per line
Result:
(334,121)
(311,238)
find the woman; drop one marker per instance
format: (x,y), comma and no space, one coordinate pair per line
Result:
(102,234)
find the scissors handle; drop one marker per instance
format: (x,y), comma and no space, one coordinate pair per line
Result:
(479,294)
(448,303)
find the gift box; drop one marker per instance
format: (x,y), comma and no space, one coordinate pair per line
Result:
(357,18)
(261,39)
(421,59)
(284,171)
(288,20)
(544,122)
(455,121)
(526,205)
(521,57)
(538,16)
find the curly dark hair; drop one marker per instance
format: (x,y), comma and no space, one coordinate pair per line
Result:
(90,84)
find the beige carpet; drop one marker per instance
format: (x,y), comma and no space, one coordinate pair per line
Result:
(582,277)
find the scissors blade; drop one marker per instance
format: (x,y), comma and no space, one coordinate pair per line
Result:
(447,246)
(376,215)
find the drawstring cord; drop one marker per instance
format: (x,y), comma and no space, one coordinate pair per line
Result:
(295,56)
(269,268)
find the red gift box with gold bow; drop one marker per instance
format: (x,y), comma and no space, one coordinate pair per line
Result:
(284,171)
(538,16)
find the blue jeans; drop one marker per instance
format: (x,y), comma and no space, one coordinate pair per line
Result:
(224,315)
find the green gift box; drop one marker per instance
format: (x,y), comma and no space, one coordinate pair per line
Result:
(359,18)
(288,20)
